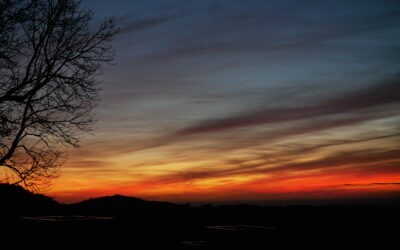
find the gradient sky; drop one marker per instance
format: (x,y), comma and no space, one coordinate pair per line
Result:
(244,100)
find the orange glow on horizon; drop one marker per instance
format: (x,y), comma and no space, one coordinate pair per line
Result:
(333,184)
(311,166)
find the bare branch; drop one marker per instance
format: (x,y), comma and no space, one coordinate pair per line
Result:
(49,56)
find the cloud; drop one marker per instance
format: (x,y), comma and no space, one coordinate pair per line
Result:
(221,144)
(144,23)
(372,184)
(368,97)
(363,161)
(357,160)
(86,164)
(273,33)
(360,105)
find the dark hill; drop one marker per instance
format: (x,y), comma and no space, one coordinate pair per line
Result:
(119,205)
(16,201)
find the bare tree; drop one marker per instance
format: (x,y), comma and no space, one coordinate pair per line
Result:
(49,56)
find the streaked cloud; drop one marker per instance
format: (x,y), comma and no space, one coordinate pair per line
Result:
(373,184)
(380,94)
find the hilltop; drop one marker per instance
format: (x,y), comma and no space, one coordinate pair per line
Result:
(17,201)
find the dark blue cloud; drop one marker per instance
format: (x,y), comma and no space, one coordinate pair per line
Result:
(384,93)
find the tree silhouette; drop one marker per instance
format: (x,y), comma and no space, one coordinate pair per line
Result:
(49,56)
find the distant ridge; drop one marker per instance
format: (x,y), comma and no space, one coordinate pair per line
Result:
(114,198)
(120,205)
(17,201)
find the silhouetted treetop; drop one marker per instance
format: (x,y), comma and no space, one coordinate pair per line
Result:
(49,55)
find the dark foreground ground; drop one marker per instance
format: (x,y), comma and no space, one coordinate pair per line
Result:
(127,223)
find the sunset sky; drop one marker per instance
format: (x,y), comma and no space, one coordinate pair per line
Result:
(244,100)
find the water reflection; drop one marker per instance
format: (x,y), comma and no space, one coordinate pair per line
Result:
(70,218)
(194,243)
(240,228)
